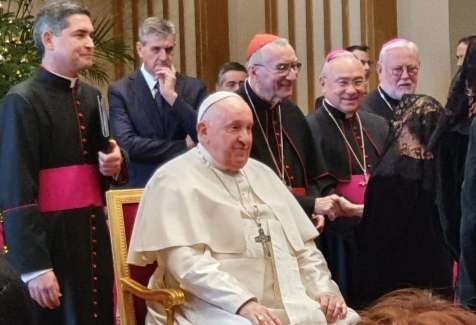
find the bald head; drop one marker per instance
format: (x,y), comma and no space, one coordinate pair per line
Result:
(343,82)
(224,129)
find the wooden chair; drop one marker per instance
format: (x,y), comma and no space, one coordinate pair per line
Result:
(131,281)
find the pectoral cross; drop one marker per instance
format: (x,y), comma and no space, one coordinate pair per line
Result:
(263,239)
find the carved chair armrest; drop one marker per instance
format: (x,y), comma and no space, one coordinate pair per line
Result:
(167,297)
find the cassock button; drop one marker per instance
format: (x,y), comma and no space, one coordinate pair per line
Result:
(286,166)
(93,216)
(95,290)
(83,140)
(95,315)
(85,152)
(93,253)
(77,102)
(94,241)
(82,127)
(95,266)
(80,114)
(93,228)
(95,278)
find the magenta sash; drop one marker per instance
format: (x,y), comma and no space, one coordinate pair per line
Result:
(354,190)
(69,187)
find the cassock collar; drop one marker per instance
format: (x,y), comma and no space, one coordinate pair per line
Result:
(335,112)
(259,103)
(55,79)
(394,102)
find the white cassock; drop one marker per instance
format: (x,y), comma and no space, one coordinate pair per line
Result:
(200,225)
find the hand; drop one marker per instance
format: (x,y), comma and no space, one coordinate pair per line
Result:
(332,306)
(349,209)
(258,314)
(45,290)
(327,205)
(110,163)
(167,79)
(189,142)
(319,221)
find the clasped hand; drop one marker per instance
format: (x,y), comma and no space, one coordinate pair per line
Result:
(335,206)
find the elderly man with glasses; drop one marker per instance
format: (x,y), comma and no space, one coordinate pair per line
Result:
(397,68)
(281,137)
(350,143)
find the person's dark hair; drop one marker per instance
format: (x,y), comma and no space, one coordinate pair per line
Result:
(53,18)
(415,306)
(352,48)
(229,66)
(466,40)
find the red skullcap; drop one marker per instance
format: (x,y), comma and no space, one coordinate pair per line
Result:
(258,41)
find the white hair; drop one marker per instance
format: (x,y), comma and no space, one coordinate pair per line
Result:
(398,43)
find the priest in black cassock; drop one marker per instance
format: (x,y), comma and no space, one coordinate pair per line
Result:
(51,203)
(350,142)
(281,137)
(397,68)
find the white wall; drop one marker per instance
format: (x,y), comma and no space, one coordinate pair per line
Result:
(426,22)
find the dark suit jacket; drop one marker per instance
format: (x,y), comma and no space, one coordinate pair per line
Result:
(467,260)
(152,136)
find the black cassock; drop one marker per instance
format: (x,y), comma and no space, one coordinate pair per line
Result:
(51,198)
(380,103)
(338,239)
(300,158)
(400,238)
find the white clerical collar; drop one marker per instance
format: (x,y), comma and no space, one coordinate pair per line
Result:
(208,159)
(347,115)
(73,81)
(149,79)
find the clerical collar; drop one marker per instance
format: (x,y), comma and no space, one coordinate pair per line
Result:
(209,161)
(260,104)
(394,102)
(336,113)
(56,78)
(149,79)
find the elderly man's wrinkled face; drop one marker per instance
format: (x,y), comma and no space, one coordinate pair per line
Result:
(398,73)
(226,133)
(343,83)
(275,75)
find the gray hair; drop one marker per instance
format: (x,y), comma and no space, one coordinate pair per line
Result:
(53,18)
(257,57)
(155,25)
(398,43)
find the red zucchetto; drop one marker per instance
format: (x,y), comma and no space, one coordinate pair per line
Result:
(258,41)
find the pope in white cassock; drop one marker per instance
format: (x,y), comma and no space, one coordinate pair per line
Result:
(223,228)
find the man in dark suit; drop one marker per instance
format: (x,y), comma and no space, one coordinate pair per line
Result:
(153,110)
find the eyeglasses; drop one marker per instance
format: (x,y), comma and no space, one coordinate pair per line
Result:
(283,68)
(412,70)
(356,83)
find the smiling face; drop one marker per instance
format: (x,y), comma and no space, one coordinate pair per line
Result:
(343,83)
(156,51)
(268,79)
(72,50)
(226,132)
(398,72)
